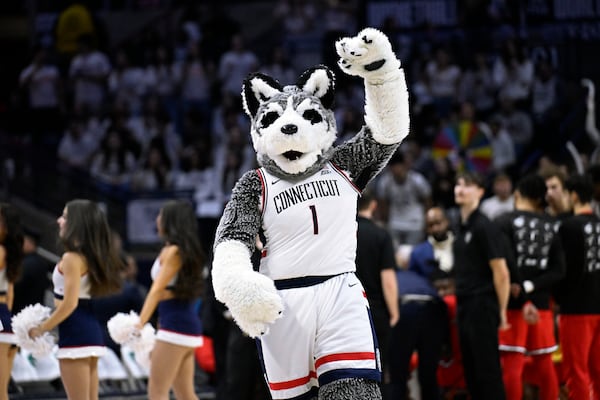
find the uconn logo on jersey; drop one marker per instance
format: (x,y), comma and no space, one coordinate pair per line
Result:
(592,246)
(304,192)
(533,237)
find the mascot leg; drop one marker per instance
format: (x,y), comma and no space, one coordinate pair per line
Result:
(350,388)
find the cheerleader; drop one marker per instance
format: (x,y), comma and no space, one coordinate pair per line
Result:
(11,255)
(89,267)
(177,283)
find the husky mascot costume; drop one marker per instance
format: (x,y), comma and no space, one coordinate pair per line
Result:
(305,305)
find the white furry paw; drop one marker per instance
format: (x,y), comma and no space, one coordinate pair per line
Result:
(368,54)
(250,296)
(253,302)
(252,328)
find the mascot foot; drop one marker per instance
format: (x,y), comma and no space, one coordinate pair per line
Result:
(351,388)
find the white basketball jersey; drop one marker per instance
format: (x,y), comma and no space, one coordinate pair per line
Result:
(314,218)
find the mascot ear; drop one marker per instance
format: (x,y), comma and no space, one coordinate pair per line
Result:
(319,81)
(257,89)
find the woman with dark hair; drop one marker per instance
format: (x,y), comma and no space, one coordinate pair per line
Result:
(177,283)
(11,255)
(89,267)
(114,163)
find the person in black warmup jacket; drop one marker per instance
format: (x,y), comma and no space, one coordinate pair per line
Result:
(578,294)
(482,289)
(537,265)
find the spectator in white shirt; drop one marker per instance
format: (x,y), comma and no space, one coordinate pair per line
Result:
(154,173)
(195,79)
(77,146)
(517,123)
(503,148)
(197,173)
(477,86)
(126,83)
(513,73)
(42,84)
(88,72)
(161,79)
(443,77)
(546,91)
(403,196)
(235,65)
(145,126)
(502,200)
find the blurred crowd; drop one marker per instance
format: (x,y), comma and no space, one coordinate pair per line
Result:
(162,111)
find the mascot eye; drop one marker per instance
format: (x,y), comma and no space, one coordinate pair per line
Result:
(313,116)
(268,119)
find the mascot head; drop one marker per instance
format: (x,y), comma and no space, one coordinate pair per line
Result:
(293,127)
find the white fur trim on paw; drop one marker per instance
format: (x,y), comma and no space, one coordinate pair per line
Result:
(368,54)
(256,304)
(250,296)
(28,318)
(252,329)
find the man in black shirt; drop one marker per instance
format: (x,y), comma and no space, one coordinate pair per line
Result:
(376,269)
(578,294)
(482,290)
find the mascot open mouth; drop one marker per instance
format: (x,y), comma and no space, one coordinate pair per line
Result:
(292,155)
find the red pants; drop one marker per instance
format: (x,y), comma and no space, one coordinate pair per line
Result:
(450,374)
(580,343)
(536,340)
(524,338)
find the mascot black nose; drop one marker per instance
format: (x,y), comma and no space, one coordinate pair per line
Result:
(289,129)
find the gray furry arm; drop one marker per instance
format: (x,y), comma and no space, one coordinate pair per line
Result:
(363,157)
(241,219)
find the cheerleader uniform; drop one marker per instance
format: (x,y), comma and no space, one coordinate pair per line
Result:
(178,322)
(6,333)
(80,334)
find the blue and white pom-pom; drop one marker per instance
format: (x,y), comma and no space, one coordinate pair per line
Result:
(28,318)
(122,330)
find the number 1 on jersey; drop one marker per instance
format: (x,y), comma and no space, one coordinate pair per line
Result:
(313,210)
